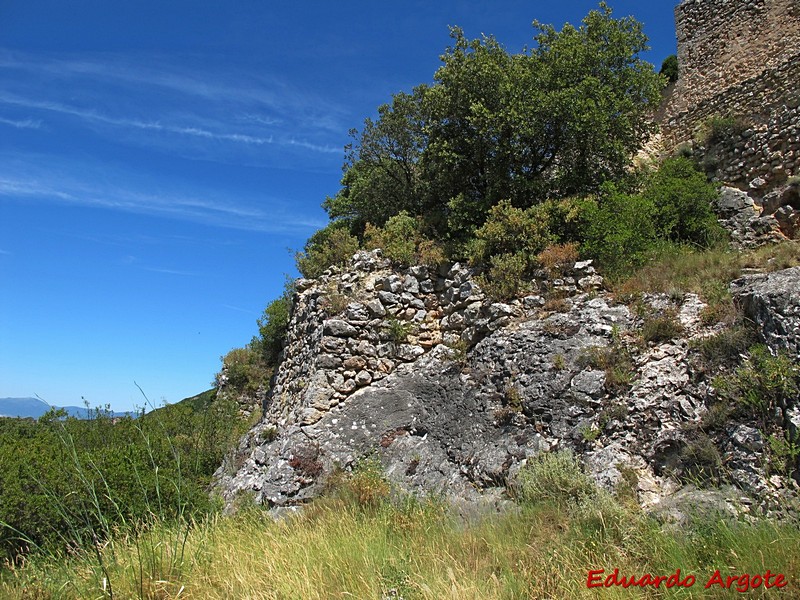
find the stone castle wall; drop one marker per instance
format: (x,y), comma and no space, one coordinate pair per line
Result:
(739,58)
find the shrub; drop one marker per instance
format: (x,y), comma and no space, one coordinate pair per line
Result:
(506,276)
(558,259)
(396,238)
(700,459)
(725,348)
(367,486)
(332,245)
(717,416)
(661,328)
(509,230)
(334,301)
(246,370)
(718,129)
(398,331)
(618,230)
(272,326)
(784,453)
(614,360)
(305,460)
(68,483)
(762,385)
(403,241)
(508,242)
(682,199)
(555,477)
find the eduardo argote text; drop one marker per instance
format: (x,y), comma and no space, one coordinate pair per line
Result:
(740,583)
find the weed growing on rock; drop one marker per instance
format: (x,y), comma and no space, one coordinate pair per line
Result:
(700,460)
(725,348)
(784,453)
(589,433)
(513,398)
(718,129)
(458,351)
(398,331)
(763,385)
(661,328)
(615,361)
(335,302)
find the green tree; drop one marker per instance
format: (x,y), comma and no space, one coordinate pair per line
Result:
(551,122)
(381,170)
(669,68)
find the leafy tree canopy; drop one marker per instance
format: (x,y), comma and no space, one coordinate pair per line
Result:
(669,68)
(550,122)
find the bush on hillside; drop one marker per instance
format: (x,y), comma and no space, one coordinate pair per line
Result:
(763,386)
(272,326)
(246,369)
(66,482)
(555,477)
(508,242)
(719,129)
(618,230)
(623,230)
(403,241)
(683,197)
(332,245)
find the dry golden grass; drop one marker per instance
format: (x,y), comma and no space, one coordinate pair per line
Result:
(679,270)
(402,548)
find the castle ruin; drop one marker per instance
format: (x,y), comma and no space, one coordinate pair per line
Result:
(739,60)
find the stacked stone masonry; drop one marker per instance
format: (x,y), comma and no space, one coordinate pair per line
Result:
(740,58)
(351,329)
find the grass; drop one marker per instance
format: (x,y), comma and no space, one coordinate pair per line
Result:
(381,544)
(679,270)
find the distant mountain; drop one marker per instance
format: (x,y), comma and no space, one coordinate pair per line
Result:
(23,407)
(35,408)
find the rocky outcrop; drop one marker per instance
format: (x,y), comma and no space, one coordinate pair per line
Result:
(772,301)
(454,392)
(754,222)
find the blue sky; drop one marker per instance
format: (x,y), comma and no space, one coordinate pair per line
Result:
(159,159)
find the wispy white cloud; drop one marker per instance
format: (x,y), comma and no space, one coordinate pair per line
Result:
(239,309)
(26,124)
(92,115)
(45,179)
(184,104)
(4,252)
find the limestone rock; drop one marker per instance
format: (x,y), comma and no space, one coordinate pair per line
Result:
(773,301)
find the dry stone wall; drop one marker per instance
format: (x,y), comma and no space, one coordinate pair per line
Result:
(739,58)
(350,329)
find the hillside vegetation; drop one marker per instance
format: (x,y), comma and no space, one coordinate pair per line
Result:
(68,482)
